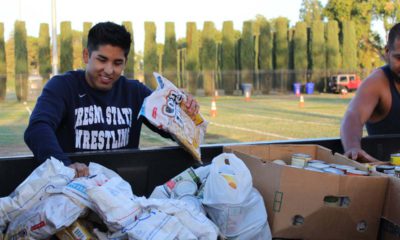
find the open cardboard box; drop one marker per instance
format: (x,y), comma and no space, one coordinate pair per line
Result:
(302,204)
(390,225)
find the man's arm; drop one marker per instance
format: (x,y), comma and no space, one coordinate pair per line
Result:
(360,110)
(40,135)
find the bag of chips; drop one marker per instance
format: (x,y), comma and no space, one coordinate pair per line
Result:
(165,108)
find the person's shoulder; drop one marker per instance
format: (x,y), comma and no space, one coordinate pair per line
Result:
(377,79)
(67,78)
(136,84)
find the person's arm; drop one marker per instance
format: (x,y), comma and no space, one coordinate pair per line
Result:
(40,135)
(358,113)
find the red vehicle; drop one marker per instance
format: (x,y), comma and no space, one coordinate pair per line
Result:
(342,82)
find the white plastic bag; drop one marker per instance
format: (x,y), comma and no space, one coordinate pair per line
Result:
(45,218)
(77,189)
(115,207)
(165,109)
(229,181)
(188,216)
(239,220)
(48,178)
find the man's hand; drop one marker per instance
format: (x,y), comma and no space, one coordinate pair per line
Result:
(361,156)
(192,106)
(81,170)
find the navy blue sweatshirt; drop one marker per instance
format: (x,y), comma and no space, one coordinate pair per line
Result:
(70,116)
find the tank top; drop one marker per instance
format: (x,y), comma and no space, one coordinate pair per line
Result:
(391,123)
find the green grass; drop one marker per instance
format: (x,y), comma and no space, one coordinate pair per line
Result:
(263,118)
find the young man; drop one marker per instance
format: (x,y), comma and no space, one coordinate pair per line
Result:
(376,104)
(94,109)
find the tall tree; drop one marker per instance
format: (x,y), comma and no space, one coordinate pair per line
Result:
(349,46)
(3,65)
(265,54)
(66,48)
(21,61)
(247,53)
(86,27)
(44,52)
(150,54)
(169,56)
(389,12)
(192,55)
(310,11)
(77,50)
(208,57)
(228,57)
(300,52)
(318,59)
(333,57)
(129,71)
(281,53)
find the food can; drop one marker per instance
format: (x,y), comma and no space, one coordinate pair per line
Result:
(317,165)
(333,170)
(316,161)
(186,176)
(357,173)
(313,169)
(385,168)
(395,159)
(300,159)
(184,187)
(344,168)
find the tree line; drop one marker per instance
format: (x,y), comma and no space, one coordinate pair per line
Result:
(266,53)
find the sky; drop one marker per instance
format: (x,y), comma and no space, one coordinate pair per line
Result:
(34,12)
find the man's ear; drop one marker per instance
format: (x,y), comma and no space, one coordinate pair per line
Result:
(85,54)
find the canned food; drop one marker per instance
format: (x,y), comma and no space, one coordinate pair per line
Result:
(186,176)
(313,169)
(333,170)
(344,168)
(184,187)
(318,165)
(316,161)
(384,168)
(395,159)
(357,173)
(300,159)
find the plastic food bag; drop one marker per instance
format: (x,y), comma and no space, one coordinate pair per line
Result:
(165,108)
(116,208)
(239,220)
(77,189)
(229,181)
(45,218)
(179,218)
(48,178)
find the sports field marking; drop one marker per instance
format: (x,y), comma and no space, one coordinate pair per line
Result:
(250,130)
(155,136)
(291,120)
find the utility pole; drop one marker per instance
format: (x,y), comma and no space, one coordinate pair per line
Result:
(54,37)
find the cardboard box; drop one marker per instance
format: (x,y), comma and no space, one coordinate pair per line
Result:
(299,202)
(390,224)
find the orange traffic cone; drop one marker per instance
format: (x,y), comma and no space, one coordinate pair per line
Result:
(247,95)
(213,108)
(301,102)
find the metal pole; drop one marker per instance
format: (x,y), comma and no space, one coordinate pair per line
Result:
(54,37)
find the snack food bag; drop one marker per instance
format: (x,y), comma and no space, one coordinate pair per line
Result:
(165,108)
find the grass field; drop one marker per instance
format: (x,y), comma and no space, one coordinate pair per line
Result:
(263,118)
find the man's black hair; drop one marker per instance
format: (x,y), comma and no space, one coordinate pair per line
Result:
(394,34)
(109,33)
